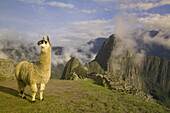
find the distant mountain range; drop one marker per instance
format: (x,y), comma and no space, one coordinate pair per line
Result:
(17,51)
(97,43)
(57,50)
(154,46)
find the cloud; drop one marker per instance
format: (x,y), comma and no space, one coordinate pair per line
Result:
(82,31)
(44,2)
(33,1)
(91,29)
(112,0)
(138,4)
(67,54)
(106,9)
(156,21)
(158,39)
(144,5)
(89,11)
(83,56)
(98,21)
(164,2)
(123,45)
(12,46)
(60,4)
(125,24)
(2,54)
(139,57)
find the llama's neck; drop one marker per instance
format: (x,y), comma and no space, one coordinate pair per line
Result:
(45,57)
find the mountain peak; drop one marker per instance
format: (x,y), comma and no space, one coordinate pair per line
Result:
(105,51)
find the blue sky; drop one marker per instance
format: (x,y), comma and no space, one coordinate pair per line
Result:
(74,22)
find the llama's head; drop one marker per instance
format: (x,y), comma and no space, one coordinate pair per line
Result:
(44,43)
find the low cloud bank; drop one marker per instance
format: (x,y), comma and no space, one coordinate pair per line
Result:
(12,46)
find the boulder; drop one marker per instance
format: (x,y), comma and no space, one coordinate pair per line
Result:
(6,69)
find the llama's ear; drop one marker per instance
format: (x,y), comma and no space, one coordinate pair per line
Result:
(43,38)
(47,38)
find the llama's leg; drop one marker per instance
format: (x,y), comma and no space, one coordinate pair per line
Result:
(23,94)
(42,88)
(34,91)
(21,86)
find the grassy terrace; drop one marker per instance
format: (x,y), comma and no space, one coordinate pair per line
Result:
(62,96)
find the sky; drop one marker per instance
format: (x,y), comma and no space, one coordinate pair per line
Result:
(74,22)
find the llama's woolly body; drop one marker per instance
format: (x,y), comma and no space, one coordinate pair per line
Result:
(35,73)
(31,73)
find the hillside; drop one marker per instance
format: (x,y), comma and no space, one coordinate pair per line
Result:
(62,96)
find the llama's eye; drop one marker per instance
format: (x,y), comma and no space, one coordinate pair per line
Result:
(45,42)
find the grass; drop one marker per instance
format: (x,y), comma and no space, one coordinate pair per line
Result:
(62,96)
(2,78)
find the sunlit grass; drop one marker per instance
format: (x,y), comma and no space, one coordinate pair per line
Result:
(77,96)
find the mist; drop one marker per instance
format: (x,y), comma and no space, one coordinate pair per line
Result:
(160,39)
(125,26)
(137,39)
(83,54)
(12,46)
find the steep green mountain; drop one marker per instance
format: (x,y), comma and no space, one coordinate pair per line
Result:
(73,70)
(94,67)
(158,70)
(127,71)
(6,69)
(156,75)
(121,65)
(105,52)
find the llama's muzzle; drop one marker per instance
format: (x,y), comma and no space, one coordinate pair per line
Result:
(40,42)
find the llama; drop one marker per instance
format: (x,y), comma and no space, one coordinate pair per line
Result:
(36,74)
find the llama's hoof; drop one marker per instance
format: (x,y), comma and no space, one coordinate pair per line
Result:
(42,99)
(33,101)
(21,92)
(24,97)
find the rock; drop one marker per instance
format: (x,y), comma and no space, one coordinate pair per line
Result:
(74,76)
(94,67)
(6,69)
